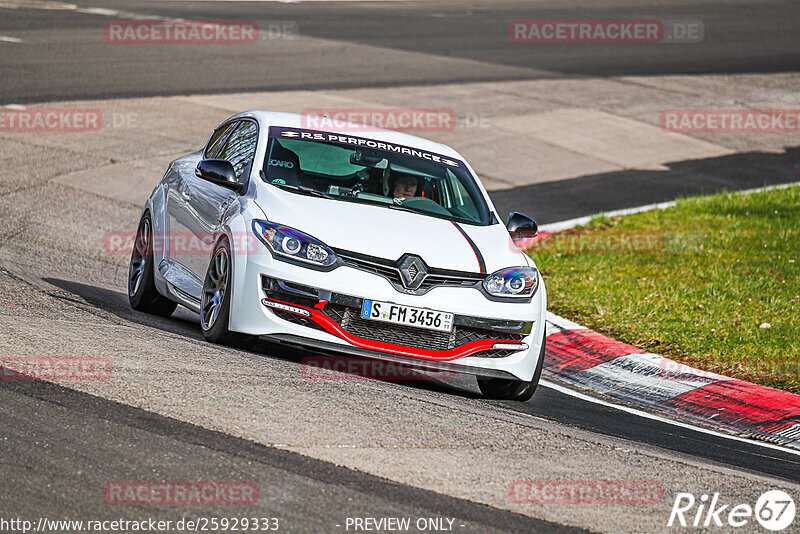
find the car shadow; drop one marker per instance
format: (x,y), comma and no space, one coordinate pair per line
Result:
(182,321)
(187,324)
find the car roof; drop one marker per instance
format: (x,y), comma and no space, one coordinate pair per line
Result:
(297,120)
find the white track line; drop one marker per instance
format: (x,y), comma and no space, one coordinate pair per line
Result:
(640,413)
(5,39)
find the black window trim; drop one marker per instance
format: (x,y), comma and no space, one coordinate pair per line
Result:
(246,184)
(220,127)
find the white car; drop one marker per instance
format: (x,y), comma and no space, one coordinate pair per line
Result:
(372,243)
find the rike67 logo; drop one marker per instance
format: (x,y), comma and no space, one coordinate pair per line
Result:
(774,510)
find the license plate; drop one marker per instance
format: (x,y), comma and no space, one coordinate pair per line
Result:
(407,315)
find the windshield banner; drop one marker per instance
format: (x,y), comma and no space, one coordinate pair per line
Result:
(330,137)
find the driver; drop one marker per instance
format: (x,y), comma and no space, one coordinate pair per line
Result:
(405,186)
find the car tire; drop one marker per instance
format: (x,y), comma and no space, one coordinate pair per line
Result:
(215,300)
(510,389)
(142,292)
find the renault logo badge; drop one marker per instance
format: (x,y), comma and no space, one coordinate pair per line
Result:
(413,271)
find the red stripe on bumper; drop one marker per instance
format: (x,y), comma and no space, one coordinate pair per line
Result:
(330,326)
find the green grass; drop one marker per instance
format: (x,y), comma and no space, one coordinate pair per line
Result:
(695,285)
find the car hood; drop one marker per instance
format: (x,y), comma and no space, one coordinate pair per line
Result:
(389,234)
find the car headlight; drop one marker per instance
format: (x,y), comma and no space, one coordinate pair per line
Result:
(514,282)
(287,243)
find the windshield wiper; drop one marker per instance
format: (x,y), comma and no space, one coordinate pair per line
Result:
(451,217)
(403,208)
(305,190)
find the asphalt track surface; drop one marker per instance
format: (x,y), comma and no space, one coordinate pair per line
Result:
(75,432)
(65,56)
(312,493)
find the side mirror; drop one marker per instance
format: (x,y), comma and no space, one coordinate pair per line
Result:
(521,227)
(220,172)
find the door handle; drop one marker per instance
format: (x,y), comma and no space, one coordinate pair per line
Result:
(186,196)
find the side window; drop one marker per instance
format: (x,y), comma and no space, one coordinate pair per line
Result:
(461,199)
(241,147)
(218,139)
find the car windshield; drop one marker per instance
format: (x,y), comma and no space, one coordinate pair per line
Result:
(415,180)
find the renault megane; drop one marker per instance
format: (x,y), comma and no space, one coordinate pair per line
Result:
(372,243)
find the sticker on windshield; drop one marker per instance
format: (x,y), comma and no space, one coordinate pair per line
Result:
(313,135)
(280,163)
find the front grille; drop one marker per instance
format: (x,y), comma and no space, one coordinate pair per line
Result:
(337,313)
(389,270)
(296,319)
(350,320)
(465,335)
(495,353)
(433,280)
(400,335)
(383,269)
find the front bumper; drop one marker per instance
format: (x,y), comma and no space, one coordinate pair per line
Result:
(339,315)
(311,316)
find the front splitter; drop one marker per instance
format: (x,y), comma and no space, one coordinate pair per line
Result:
(429,365)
